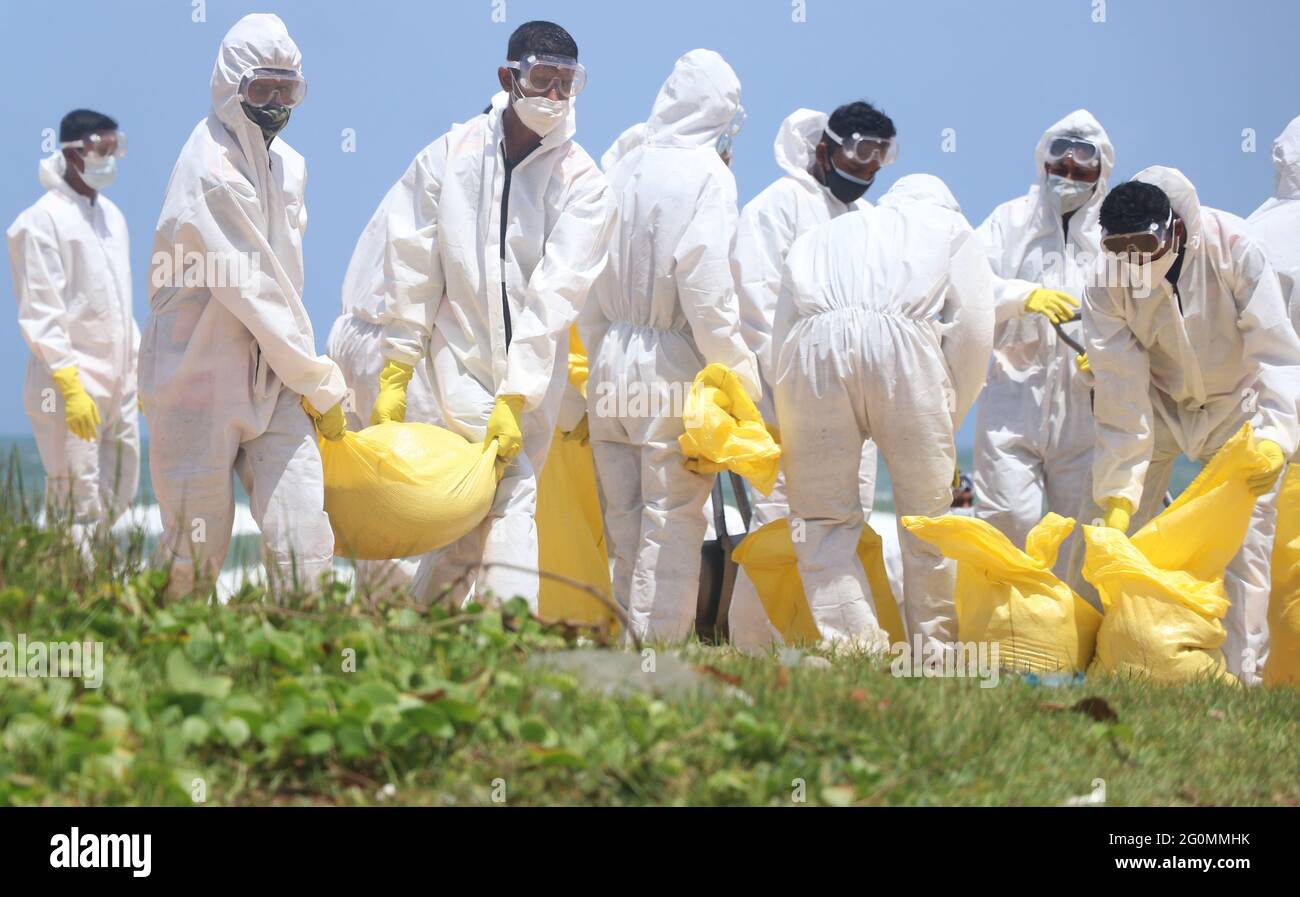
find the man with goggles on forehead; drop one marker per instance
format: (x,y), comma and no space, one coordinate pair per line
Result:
(72,277)
(1033,428)
(815,188)
(664,308)
(229,367)
(1191,345)
(491,241)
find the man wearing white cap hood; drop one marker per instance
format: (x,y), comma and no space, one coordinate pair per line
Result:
(663,309)
(228,361)
(883,329)
(1033,428)
(1194,344)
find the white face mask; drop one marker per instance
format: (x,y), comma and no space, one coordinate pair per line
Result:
(99,172)
(1070,194)
(541,115)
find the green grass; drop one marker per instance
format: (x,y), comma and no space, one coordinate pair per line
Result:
(253,701)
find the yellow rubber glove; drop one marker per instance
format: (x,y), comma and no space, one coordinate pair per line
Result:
(581,432)
(1116,513)
(79,408)
(775,433)
(503,426)
(390,404)
(1052,304)
(1081,362)
(1263,481)
(331,424)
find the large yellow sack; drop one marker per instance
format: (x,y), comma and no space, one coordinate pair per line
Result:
(1283,666)
(571,536)
(768,557)
(1162,590)
(724,426)
(1011,597)
(400,489)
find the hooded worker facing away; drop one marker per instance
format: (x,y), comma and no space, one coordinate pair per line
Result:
(228,355)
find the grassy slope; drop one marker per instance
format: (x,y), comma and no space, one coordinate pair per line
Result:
(255,702)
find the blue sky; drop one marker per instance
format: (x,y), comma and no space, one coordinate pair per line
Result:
(1174,83)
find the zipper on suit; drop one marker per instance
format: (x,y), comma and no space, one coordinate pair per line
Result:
(505,211)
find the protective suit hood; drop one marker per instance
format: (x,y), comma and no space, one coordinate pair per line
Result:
(1080,123)
(1286,162)
(260,40)
(51,171)
(696,103)
(1182,196)
(920,188)
(796,144)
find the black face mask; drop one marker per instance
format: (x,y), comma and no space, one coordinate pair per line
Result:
(847,190)
(271,119)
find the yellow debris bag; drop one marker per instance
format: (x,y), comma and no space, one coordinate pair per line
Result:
(1162,590)
(400,489)
(571,537)
(1283,666)
(768,558)
(1011,597)
(724,426)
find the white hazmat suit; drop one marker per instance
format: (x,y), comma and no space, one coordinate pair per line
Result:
(227,353)
(1178,372)
(768,226)
(664,308)
(72,277)
(1276,224)
(452,282)
(1033,427)
(883,330)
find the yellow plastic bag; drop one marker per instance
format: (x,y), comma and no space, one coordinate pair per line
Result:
(400,489)
(768,557)
(571,536)
(1283,667)
(1162,590)
(1011,597)
(724,426)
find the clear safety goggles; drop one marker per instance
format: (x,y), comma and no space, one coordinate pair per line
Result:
(101,143)
(1140,245)
(540,74)
(728,136)
(1083,152)
(864,148)
(264,87)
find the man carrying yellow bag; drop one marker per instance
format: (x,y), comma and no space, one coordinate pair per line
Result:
(1163,589)
(1188,339)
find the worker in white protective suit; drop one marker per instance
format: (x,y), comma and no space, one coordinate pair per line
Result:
(228,362)
(1033,427)
(1188,338)
(663,309)
(1276,224)
(883,329)
(813,189)
(502,225)
(72,277)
